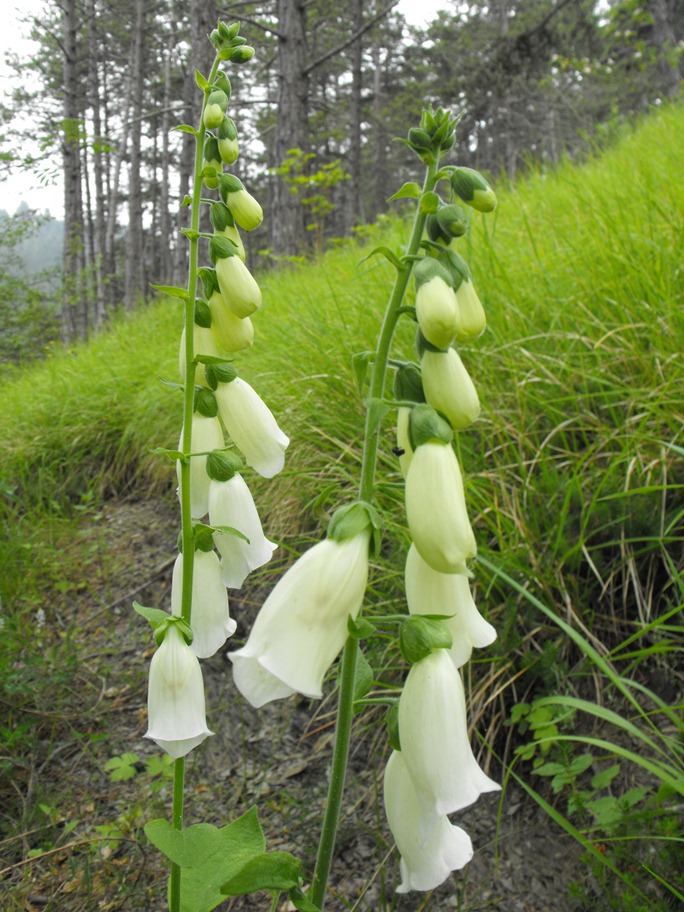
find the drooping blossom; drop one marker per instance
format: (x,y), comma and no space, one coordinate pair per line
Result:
(434,737)
(302,625)
(252,427)
(430,846)
(430,592)
(175,697)
(210,619)
(231,504)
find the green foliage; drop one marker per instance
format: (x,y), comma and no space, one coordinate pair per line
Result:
(29,317)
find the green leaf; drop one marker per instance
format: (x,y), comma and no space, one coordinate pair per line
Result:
(383,251)
(429,202)
(201,81)
(270,871)
(155,616)
(208,856)
(301,901)
(122,768)
(605,777)
(363,677)
(172,454)
(186,128)
(410,190)
(174,291)
(360,363)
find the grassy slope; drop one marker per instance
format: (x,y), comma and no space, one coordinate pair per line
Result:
(578,372)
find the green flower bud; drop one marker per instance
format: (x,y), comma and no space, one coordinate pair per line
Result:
(242,54)
(215,109)
(228,141)
(426,426)
(228,32)
(238,287)
(452,220)
(222,82)
(473,189)
(224,225)
(212,164)
(205,403)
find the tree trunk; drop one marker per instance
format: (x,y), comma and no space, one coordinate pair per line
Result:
(98,239)
(134,236)
(287,222)
(354,213)
(74,312)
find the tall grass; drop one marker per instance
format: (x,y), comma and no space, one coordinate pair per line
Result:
(573,472)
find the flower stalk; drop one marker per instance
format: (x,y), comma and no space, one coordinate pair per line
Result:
(366,491)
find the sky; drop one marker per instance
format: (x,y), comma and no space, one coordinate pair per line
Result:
(28,188)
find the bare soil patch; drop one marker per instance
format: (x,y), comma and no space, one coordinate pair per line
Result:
(90,852)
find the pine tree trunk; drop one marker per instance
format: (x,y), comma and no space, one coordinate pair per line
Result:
(287,222)
(74,313)
(134,236)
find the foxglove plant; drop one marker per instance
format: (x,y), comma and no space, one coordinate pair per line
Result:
(314,612)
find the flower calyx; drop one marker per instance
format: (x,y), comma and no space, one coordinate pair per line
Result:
(436,134)
(222,465)
(426,425)
(352,520)
(408,384)
(419,635)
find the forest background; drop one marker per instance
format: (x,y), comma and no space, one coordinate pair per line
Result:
(333,86)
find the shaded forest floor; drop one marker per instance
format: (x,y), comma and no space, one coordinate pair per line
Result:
(96,780)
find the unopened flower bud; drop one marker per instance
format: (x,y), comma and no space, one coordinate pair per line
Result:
(452,220)
(212,164)
(473,189)
(448,387)
(244,208)
(436,508)
(231,332)
(228,141)
(470,319)
(215,109)
(224,224)
(437,312)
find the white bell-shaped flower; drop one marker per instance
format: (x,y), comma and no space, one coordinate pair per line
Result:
(430,846)
(206,436)
(436,508)
(210,618)
(430,592)
(302,625)
(448,387)
(434,737)
(175,697)
(252,426)
(231,504)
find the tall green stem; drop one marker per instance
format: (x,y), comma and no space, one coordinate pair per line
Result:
(348,663)
(186,448)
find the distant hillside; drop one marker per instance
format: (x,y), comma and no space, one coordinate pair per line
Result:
(40,249)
